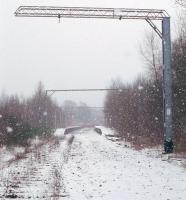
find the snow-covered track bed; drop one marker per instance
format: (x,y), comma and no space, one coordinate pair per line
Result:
(100,169)
(39,175)
(86,166)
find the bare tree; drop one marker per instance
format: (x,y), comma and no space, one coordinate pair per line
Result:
(21,119)
(181,2)
(150,51)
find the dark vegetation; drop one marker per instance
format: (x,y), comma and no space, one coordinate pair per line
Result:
(136,110)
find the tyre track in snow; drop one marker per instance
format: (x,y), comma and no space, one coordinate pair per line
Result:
(40,175)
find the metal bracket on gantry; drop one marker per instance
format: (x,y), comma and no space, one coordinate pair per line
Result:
(156,29)
(149,15)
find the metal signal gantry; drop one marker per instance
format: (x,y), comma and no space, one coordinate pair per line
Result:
(123,13)
(88,12)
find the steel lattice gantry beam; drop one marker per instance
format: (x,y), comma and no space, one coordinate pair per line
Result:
(123,13)
(85,12)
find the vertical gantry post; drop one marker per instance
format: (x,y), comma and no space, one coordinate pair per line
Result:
(167,81)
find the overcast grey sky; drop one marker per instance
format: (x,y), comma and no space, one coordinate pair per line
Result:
(77,53)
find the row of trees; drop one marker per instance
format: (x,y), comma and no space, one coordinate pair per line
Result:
(136,110)
(21,118)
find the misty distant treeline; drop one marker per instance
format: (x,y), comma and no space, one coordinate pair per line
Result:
(80,114)
(136,111)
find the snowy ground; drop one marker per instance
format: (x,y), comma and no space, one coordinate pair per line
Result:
(89,166)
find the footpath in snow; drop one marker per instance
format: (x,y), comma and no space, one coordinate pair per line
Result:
(89,166)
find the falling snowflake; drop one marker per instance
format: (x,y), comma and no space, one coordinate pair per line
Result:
(140,87)
(9,129)
(45,113)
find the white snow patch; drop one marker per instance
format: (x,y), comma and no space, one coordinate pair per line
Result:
(59,132)
(106,131)
(18,150)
